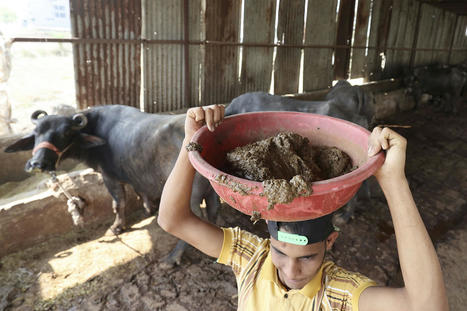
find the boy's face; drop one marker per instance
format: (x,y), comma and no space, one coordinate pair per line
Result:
(298,264)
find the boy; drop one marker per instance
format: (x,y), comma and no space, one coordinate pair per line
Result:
(287,271)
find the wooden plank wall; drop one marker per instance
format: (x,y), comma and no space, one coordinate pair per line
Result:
(287,62)
(401,35)
(359,56)
(221,82)
(321,28)
(256,72)
(212,58)
(344,34)
(412,25)
(373,59)
(434,33)
(459,42)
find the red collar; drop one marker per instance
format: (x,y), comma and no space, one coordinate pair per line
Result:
(46,145)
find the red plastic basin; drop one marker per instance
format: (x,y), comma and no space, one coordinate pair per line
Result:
(242,129)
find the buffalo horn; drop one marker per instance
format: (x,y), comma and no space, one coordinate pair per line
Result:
(79,121)
(35,115)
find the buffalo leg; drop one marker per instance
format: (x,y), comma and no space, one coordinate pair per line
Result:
(213,205)
(449,103)
(343,215)
(417,95)
(117,191)
(174,258)
(148,205)
(438,103)
(201,190)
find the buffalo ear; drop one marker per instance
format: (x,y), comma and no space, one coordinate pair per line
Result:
(91,141)
(25,143)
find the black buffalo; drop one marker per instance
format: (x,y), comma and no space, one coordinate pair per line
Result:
(444,84)
(126,145)
(343,101)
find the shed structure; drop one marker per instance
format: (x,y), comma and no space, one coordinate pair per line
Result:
(163,56)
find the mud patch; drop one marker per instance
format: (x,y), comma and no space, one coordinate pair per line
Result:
(255,217)
(194,147)
(234,186)
(287,164)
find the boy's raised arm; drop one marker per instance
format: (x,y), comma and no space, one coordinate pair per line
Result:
(423,280)
(175,215)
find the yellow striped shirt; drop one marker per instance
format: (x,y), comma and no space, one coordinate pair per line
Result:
(259,288)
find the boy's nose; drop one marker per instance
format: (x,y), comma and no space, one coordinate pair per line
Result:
(292,269)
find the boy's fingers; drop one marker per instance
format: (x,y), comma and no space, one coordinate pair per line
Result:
(210,115)
(200,115)
(384,139)
(209,118)
(217,115)
(374,145)
(393,138)
(194,113)
(222,110)
(387,135)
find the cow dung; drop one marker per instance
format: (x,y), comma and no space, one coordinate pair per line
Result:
(192,146)
(287,164)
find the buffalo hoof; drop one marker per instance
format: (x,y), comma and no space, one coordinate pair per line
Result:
(170,261)
(174,258)
(117,229)
(149,209)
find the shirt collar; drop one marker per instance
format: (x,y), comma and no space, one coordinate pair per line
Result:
(269,273)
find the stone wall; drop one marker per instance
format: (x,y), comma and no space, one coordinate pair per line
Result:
(43,215)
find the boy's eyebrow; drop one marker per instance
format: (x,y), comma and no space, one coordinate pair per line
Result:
(277,250)
(305,256)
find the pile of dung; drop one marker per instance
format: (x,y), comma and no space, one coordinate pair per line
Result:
(287,164)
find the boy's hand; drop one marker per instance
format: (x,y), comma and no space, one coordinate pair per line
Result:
(395,146)
(196,117)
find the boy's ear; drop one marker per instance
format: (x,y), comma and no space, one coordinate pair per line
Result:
(25,143)
(91,141)
(331,239)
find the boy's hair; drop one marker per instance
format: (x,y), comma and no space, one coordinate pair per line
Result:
(302,232)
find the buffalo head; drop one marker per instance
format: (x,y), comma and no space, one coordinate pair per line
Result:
(53,138)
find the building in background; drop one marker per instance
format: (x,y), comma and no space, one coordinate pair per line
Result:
(46,15)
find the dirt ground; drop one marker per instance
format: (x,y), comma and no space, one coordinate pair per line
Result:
(89,270)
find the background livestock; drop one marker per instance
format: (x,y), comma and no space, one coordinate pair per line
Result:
(444,84)
(343,101)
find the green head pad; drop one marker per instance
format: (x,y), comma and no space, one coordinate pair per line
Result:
(292,238)
(302,232)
